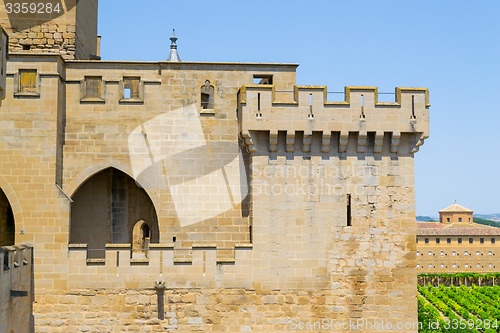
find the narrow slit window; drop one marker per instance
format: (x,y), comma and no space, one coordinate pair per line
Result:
(349,216)
(93,86)
(413,106)
(27,81)
(131,87)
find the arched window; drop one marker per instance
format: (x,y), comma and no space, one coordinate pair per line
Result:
(7,227)
(106,208)
(207,96)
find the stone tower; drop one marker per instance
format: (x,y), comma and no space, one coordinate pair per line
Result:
(68,27)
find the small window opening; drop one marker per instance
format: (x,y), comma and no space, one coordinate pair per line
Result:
(426,241)
(262,79)
(471,240)
(481,240)
(448,219)
(438,240)
(207,96)
(131,87)
(26,47)
(460,241)
(459,219)
(349,216)
(448,240)
(493,241)
(93,87)
(27,81)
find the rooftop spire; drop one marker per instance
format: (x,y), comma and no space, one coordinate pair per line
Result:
(173,55)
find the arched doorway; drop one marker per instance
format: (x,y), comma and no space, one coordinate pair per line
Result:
(141,236)
(106,207)
(7,226)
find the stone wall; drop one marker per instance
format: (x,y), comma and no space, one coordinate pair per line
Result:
(72,32)
(86,29)
(216,310)
(16,289)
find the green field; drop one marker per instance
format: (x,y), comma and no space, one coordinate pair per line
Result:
(459,309)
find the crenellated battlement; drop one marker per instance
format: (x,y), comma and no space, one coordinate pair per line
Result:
(16,288)
(201,265)
(360,115)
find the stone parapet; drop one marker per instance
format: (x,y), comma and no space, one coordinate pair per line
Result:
(16,288)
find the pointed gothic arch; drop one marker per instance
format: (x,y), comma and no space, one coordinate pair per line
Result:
(7,225)
(105,208)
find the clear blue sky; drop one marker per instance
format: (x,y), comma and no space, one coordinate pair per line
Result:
(451,47)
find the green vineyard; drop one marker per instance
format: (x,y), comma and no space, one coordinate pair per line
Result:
(459,308)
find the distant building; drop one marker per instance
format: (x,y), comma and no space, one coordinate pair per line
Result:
(457,244)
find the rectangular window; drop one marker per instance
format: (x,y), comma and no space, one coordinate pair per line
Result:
(478,266)
(426,241)
(438,240)
(477,253)
(454,265)
(481,240)
(453,253)
(442,265)
(460,241)
(418,265)
(448,240)
(466,253)
(262,79)
(490,265)
(27,81)
(418,253)
(448,219)
(430,253)
(442,253)
(466,266)
(93,87)
(430,265)
(471,240)
(493,241)
(459,219)
(489,253)
(131,86)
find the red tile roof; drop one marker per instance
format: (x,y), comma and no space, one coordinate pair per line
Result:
(455,229)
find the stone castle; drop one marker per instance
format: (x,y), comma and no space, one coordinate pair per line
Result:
(197,196)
